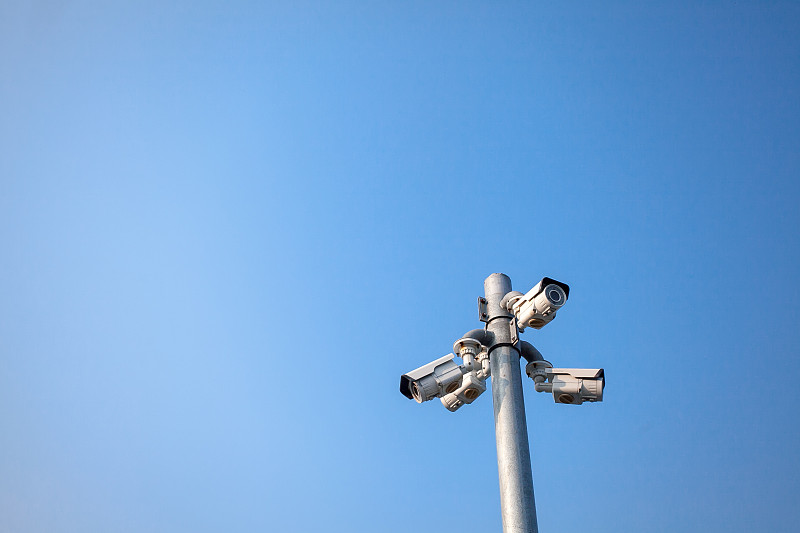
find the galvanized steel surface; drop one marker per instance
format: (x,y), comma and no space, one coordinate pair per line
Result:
(517,503)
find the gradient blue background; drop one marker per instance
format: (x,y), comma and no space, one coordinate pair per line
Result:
(226,228)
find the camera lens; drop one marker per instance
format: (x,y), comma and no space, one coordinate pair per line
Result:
(555,294)
(415,392)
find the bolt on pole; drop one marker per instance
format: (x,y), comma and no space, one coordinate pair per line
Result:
(518,507)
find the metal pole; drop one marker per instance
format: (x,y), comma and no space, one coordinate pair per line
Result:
(517,504)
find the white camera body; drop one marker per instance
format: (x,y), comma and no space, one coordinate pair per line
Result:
(430,381)
(538,306)
(471,387)
(443,378)
(575,385)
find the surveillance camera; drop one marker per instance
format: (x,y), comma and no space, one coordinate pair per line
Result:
(435,379)
(471,387)
(573,385)
(538,307)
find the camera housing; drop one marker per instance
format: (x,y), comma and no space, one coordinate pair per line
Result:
(575,385)
(433,380)
(471,387)
(538,306)
(456,384)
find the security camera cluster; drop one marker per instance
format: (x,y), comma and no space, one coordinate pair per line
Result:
(455,384)
(458,384)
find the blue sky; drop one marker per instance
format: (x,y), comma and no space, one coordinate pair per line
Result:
(227,228)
